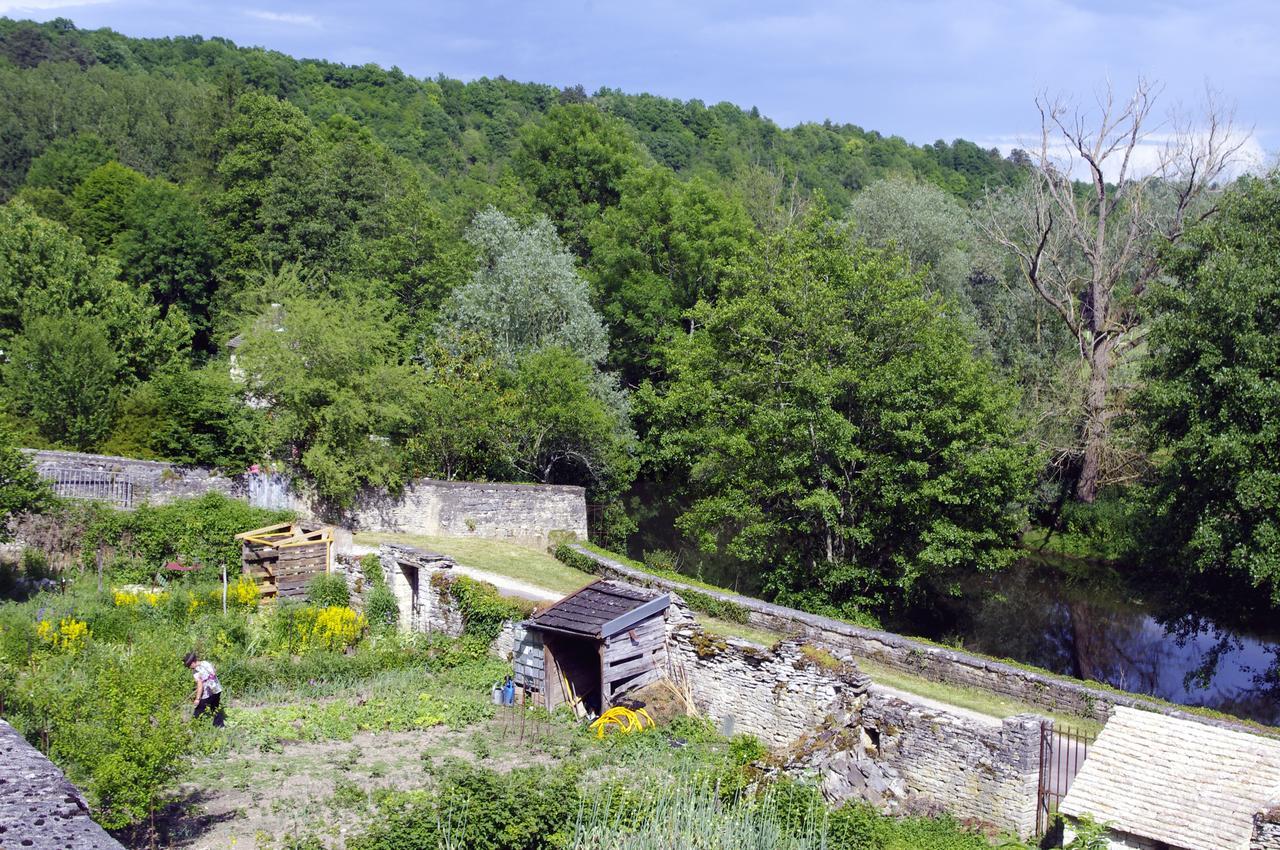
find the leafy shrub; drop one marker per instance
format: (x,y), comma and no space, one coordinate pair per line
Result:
(328,590)
(571,557)
(335,627)
(34,564)
(483,609)
(481,809)
(713,607)
(371,569)
(200,530)
(69,636)
(381,607)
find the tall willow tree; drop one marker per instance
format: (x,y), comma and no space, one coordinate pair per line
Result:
(833,426)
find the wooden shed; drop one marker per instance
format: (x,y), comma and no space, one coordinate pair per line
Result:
(593,645)
(283,558)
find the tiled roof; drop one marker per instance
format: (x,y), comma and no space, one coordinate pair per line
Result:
(593,607)
(1188,784)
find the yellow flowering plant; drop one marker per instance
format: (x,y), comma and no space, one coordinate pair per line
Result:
(69,636)
(335,628)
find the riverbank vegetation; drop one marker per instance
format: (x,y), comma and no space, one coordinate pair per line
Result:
(815,363)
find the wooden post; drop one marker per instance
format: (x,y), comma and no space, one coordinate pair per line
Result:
(604,695)
(99,567)
(224,588)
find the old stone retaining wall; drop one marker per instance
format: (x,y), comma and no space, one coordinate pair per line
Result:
(39,807)
(919,657)
(777,694)
(985,770)
(526,514)
(126,482)
(828,718)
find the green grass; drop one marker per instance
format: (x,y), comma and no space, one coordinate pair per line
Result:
(670,575)
(974,699)
(724,628)
(493,556)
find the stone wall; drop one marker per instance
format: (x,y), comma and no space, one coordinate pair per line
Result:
(1266,828)
(39,808)
(826,718)
(920,658)
(777,695)
(526,514)
(127,482)
(976,768)
(414,578)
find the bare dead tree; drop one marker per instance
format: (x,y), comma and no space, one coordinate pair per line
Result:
(1109,186)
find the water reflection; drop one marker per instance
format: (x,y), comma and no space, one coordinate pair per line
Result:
(1092,627)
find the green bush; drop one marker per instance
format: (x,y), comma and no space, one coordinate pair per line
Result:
(570,557)
(711,606)
(198,530)
(328,590)
(483,609)
(381,608)
(371,568)
(480,809)
(35,564)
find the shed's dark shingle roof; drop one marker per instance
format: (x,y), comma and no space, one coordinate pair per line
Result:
(596,605)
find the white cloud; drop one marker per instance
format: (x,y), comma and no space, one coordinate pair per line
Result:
(1249,159)
(28,7)
(282,17)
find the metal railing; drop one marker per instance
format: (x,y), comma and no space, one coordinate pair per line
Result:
(1063,750)
(113,489)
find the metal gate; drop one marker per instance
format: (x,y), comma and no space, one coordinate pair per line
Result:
(1062,751)
(113,488)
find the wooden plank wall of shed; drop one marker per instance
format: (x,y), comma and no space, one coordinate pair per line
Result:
(286,570)
(634,658)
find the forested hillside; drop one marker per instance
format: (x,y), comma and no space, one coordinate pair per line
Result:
(800,346)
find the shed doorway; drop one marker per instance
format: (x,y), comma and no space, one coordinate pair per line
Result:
(573,672)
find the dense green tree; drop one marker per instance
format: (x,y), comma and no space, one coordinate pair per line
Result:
(190,416)
(463,429)
(420,256)
(267,160)
(55,174)
(927,225)
(168,246)
(526,294)
(62,375)
(1212,403)
(575,161)
(45,271)
(67,162)
(833,424)
(340,396)
(660,250)
(562,431)
(22,490)
(100,204)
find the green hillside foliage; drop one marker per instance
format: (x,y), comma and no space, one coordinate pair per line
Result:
(796,347)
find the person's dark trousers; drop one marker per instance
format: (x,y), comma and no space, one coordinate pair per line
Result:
(213,705)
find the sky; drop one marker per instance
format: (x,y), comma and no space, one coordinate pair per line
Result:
(921,69)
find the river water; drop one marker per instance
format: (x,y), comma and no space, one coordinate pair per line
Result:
(1093,626)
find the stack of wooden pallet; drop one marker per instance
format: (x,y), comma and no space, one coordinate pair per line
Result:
(283,558)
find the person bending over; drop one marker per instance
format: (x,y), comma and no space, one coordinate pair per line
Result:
(208,695)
